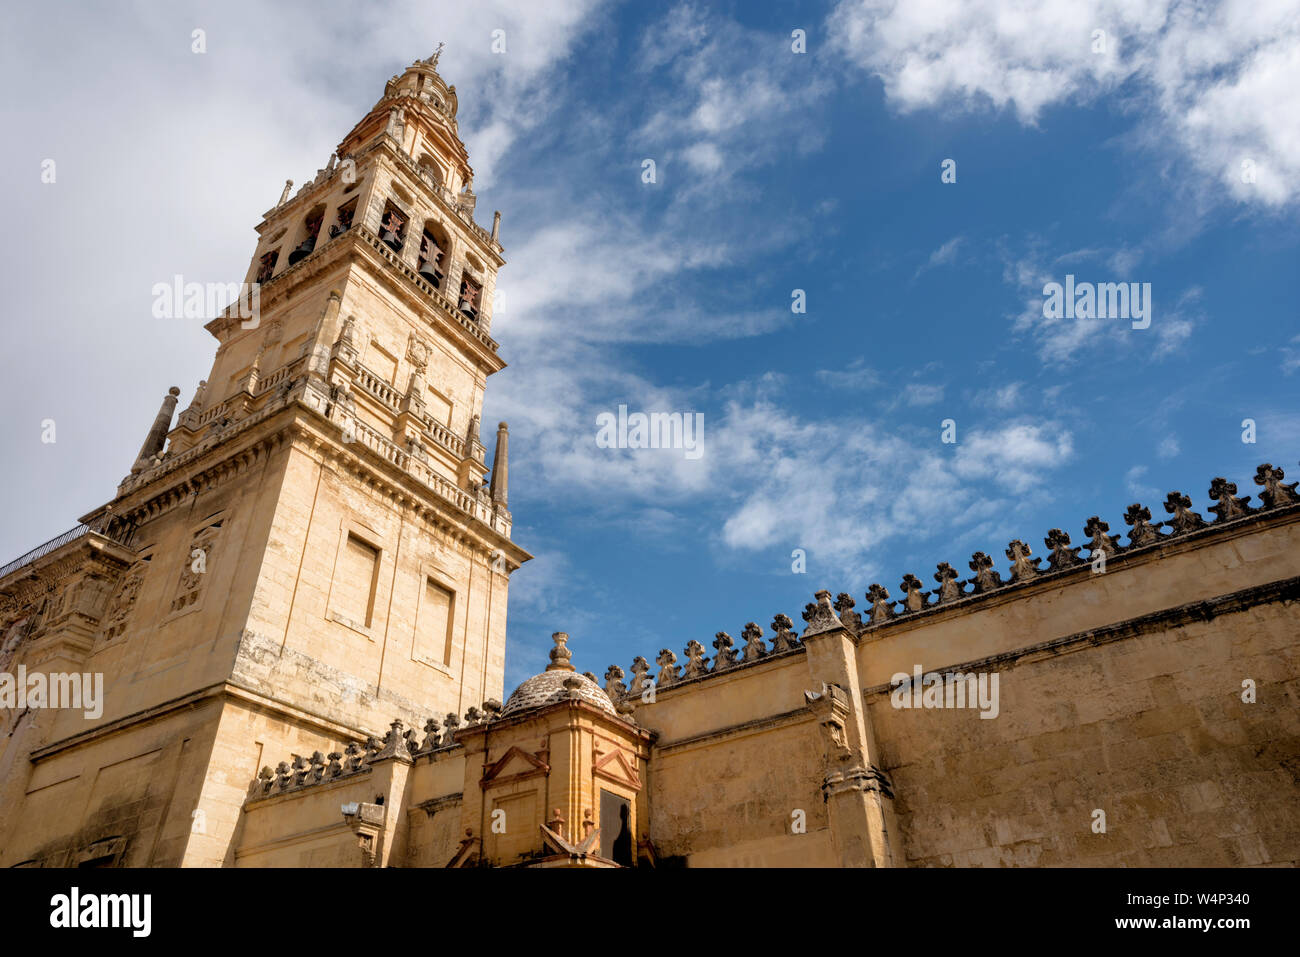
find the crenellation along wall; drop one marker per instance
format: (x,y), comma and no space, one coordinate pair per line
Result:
(300,823)
(1213,562)
(251,736)
(1118,691)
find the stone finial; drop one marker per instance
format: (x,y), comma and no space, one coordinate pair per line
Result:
(1275,494)
(1023,567)
(394,744)
(986,578)
(783,636)
(640,669)
(492,709)
(317,766)
(696,664)
(1184,519)
(432,734)
(335,766)
(882,608)
(501,467)
(914,593)
(157,435)
(1061,553)
(1228,506)
(844,605)
(301,769)
(284,776)
(473,716)
(355,756)
(556,823)
(560,654)
(1143,532)
(1099,542)
(754,648)
(820,615)
(950,589)
(265,780)
(288,185)
(452,724)
(614,687)
(572,687)
(667,667)
(726,656)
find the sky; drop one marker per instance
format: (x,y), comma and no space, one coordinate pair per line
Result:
(799,156)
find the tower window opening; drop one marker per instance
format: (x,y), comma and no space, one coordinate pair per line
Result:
(344,218)
(431,170)
(313,223)
(266,265)
(392,229)
(431,256)
(469,297)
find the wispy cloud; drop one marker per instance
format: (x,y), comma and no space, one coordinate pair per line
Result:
(942,256)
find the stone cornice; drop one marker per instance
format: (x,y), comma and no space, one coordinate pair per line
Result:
(92,552)
(215,461)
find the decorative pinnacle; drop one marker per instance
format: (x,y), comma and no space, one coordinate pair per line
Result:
(560,654)
(437,54)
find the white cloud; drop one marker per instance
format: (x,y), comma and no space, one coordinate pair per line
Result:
(942,256)
(726,100)
(1015,455)
(922,394)
(1134,485)
(1003,398)
(1174,314)
(857,375)
(1216,81)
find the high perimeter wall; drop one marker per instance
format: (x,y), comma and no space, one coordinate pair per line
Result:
(1148,714)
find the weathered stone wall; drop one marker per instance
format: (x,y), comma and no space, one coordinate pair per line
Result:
(737,756)
(131,794)
(1149,728)
(298,650)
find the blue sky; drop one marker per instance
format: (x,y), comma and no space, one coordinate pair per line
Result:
(775,171)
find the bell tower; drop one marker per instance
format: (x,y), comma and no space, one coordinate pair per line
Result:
(314,547)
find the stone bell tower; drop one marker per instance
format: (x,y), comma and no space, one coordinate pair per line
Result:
(314,547)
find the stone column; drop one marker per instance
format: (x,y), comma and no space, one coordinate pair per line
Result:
(859,798)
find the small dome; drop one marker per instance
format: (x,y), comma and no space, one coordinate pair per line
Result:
(548,688)
(557,683)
